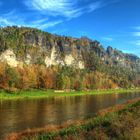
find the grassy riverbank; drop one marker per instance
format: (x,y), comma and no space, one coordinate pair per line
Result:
(37,94)
(119,122)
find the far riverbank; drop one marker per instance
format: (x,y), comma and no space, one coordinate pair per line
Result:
(39,94)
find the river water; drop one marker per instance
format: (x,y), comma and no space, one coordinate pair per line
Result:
(16,116)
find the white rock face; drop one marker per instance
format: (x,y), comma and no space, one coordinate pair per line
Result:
(81,65)
(48,61)
(52,60)
(28,59)
(69,60)
(9,57)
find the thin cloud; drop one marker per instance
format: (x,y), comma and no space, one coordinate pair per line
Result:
(136,27)
(49,13)
(94,6)
(49,24)
(5,22)
(138,43)
(107,39)
(137,34)
(100,4)
(64,8)
(10,19)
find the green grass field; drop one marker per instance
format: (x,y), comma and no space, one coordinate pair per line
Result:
(37,94)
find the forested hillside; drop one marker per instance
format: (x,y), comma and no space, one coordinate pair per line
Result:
(31,58)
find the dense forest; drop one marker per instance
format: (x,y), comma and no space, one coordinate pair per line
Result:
(102,69)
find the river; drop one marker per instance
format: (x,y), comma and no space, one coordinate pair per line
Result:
(20,115)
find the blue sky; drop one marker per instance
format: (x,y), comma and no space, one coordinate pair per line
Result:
(112,22)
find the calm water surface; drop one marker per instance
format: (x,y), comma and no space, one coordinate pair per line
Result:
(16,116)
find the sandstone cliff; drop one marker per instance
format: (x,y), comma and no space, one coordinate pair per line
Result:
(23,45)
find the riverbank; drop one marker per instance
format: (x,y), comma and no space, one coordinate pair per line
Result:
(119,122)
(38,94)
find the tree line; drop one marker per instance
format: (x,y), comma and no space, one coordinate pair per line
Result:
(61,78)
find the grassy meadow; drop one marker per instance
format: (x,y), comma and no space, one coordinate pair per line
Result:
(37,94)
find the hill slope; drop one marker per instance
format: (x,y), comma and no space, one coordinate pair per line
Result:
(31,45)
(28,46)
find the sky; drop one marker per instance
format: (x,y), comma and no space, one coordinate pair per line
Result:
(114,23)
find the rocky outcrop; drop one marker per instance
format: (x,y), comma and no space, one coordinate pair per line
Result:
(32,46)
(9,57)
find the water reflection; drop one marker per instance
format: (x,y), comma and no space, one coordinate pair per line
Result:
(16,116)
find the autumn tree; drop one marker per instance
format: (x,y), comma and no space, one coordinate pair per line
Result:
(12,77)
(49,78)
(3,82)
